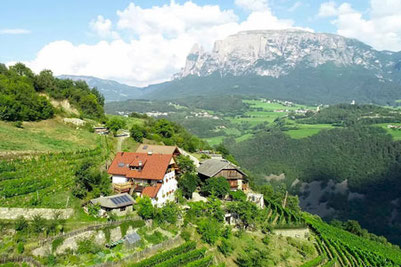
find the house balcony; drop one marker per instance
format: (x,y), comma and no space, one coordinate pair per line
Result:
(122,188)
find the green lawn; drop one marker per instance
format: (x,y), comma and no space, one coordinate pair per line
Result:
(254,117)
(129,120)
(49,135)
(306,130)
(215,140)
(396,133)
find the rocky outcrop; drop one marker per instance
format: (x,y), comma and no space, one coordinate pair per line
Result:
(276,52)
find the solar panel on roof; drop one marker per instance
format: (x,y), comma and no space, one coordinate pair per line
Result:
(126,199)
(119,200)
(113,200)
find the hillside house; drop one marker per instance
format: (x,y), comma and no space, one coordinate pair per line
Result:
(156,149)
(147,174)
(119,205)
(221,167)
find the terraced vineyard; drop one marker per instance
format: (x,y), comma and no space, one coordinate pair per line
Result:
(336,247)
(350,250)
(185,255)
(282,217)
(43,181)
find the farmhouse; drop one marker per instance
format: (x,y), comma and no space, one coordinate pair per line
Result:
(221,167)
(146,174)
(118,204)
(156,149)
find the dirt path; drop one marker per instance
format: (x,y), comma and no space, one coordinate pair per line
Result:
(120,141)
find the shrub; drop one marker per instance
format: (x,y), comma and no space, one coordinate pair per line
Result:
(87,246)
(155,238)
(38,224)
(225,247)
(145,208)
(20,247)
(21,224)
(185,164)
(93,210)
(137,133)
(18,124)
(210,230)
(186,235)
(216,186)
(168,213)
(238,195)
(188,183)
(56,243)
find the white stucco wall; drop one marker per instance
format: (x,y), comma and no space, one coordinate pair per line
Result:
(118,179)
(169,184)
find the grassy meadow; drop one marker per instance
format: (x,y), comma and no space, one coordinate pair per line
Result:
(45,136)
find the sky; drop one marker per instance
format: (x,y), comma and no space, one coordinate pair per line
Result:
(143,42)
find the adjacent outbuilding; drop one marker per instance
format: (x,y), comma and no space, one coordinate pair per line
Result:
(224,168)
(119,204)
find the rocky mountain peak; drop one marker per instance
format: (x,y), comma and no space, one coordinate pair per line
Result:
(277,52)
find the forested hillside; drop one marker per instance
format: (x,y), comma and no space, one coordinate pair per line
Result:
(366,157)
(24,95)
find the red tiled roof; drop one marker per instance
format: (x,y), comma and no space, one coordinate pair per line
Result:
(151,191)
(153,166)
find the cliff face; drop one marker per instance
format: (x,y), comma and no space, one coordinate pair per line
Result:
(276,53)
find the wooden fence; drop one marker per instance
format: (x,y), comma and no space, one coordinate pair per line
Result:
(147,252)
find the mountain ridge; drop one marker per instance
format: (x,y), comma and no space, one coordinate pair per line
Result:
(112,90)
(240,53)
(301,66)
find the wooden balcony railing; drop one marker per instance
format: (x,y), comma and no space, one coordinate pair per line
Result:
(122,188)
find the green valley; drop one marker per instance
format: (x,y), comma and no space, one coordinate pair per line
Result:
(51,171)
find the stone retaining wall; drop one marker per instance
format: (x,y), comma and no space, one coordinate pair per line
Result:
(303,233)
(14,213)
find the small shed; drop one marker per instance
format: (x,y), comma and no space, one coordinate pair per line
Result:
(132,239)
(118,204)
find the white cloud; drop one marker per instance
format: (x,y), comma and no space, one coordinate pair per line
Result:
(156,41)
(295,6)
(328,9)
(380,28)
(103,28)
(14,31)
(252,5)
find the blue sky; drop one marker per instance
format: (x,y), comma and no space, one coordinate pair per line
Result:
(39,32)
